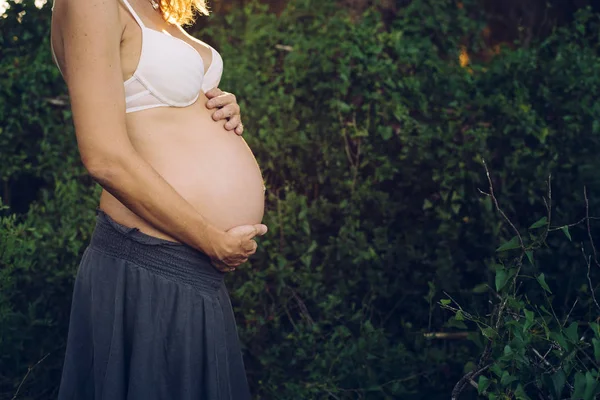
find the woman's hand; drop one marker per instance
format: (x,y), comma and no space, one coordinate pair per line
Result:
(227,108)
(235,246)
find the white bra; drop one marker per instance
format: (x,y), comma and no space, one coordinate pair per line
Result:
(170,72)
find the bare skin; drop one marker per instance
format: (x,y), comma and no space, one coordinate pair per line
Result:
(180,174)
(227,108)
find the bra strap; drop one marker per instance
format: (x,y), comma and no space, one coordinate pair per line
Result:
(133,13)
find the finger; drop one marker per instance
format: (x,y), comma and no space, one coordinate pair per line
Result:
(252,231)
(229,270)
(219,265)
(221,100)
(239,129)
(214,92)
(217,101)
(253,249)
(250,245)
(239,261)
(233,122)
(227,111)
(231,110)
(229,266)
(261,229)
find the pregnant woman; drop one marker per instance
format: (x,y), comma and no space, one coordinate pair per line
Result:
(182,202)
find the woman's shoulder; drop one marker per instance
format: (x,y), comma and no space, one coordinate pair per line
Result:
(90,29)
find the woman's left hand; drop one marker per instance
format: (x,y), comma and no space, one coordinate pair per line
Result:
(226,108)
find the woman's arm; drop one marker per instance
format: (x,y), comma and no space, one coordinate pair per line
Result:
(91,34)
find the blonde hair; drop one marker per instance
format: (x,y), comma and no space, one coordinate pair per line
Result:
(182,12)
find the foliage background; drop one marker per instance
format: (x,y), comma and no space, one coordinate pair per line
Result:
(370,135)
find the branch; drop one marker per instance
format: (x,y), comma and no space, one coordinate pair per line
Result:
(26,375)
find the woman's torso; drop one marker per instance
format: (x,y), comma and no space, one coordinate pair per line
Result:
(212,168)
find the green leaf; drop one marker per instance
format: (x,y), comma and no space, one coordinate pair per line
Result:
(529,255)
(474,337)
(565,229)
(482,384)
(518,341)
(445,302)
(454,323)
(501,279)
(596,344)
(507,379)
(481,288)
(558,383)
(520,393)
(512,302)
(544,309)
(542,280)
(489,333)
(571,332)
(496,369)
(511,244)
(560,339)
(579,386)
(539,223)
(459,316)
(528,320)
(596,328)
(469,366)
(590,386)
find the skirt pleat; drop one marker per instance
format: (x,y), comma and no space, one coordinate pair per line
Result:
(150,319)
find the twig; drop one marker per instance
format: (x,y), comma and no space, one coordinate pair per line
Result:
(290,317)
(302,307)
(458,388)
(460,385)
(58,101)
(284,47)
(27,374)
(491,194)
(346,142)
(446,335)
(280,221)
(549,205)
(501,307)
(589,279)
(571,225)
(576,300)
(587,216)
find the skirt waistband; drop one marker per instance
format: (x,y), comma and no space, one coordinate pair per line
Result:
(173,260)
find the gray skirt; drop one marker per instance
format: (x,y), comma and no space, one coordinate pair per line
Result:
(150,319)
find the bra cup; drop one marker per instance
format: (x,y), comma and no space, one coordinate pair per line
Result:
(172,71)
(212,77)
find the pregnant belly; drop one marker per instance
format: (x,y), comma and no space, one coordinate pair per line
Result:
(217,173)
(212,168)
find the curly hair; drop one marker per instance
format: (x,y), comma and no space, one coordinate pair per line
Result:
(182,12)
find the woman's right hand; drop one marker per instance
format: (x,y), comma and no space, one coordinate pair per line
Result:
(235,246)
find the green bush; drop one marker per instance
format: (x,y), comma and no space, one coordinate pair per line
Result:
(530,352)
(370,138)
